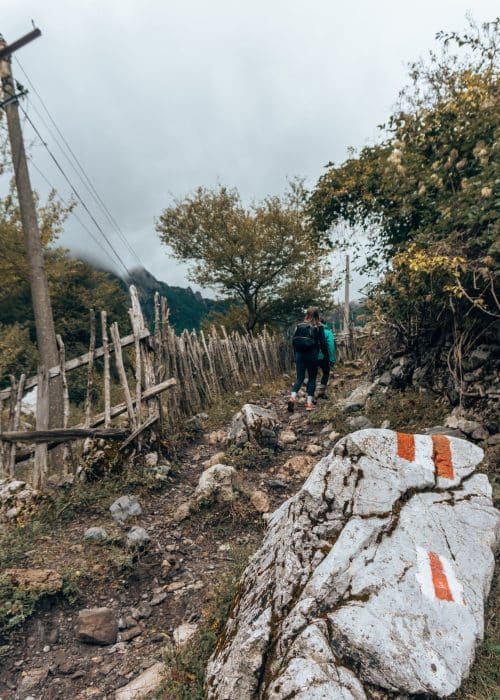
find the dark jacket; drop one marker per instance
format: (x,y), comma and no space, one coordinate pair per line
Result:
(320,344)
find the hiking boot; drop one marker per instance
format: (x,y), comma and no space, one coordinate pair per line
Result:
(310,406)
(290,405)
(322,394)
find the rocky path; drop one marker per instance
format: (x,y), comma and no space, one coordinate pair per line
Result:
(157,597)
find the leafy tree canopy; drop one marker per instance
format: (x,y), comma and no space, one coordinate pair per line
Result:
(75,287)
(264,257)
(427,194)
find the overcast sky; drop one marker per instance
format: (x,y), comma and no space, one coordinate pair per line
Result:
(159,96)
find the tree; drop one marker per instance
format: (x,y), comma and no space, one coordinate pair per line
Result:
(427,195)
(75,287)
(264,257)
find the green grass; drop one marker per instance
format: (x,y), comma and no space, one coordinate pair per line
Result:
(484,680)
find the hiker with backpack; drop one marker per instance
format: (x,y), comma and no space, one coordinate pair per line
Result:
(308,340)
(326,363)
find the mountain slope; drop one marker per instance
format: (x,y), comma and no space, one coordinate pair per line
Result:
(187,308)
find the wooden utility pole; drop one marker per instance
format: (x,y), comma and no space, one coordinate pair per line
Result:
(346,295)
(42,309)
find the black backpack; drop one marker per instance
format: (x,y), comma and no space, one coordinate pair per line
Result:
(303,339)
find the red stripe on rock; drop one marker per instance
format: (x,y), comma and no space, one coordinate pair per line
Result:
(406,446)
(442,456)
(439,580)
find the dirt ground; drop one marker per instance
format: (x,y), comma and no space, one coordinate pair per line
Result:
(169,583)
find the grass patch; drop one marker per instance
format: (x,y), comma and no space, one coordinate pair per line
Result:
(250,456)
(484,680)
(410,410)
(226,519)
(18,602)
(224,409)
(186,666)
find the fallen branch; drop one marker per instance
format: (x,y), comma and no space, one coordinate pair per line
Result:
(58,435)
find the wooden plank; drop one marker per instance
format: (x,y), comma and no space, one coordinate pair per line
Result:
(147,394)
(115,335)
(134,320)
(15,424)
(74,363)
(62,434)
(138,431)
(90,369)
(42,423)
(115,411)
(107,378)
(62,364)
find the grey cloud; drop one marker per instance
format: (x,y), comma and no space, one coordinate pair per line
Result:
(159,97)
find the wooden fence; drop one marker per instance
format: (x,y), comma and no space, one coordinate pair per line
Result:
(350,345)
(164,378)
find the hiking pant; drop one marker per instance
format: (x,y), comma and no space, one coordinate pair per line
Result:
(306,361)
(324,365)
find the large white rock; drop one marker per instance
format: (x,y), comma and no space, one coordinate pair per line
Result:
(358,398)
(373,576)
(254,423)
(216,484)
(143,685)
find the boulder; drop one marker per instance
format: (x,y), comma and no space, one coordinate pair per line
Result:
(97,626)
(216,437)
(124,508)
(458,422)
(480,434)
(313,449)
(260,501)
(479,357)
(254,424)
(288,437)
(32,678)
(151,459)
(95,534)
(385,379)
(182,512)
(137,537)
(358,398)
(11,487)
(215,485)
(298,466)
(217,458)
(373,577)
(161,472)
(143,685)
(184,632)
(39,580)
(358,423)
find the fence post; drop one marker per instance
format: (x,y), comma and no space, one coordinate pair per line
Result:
(115,335)
(42,423)
(107,391)
(62,361)
(90,370)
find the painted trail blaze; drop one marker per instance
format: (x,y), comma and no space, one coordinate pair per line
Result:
(406,446)
(442,456)
(439,579)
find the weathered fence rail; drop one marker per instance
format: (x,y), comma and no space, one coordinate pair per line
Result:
(164,378)
(350,345)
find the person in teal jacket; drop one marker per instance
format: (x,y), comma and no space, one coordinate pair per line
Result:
(326,364)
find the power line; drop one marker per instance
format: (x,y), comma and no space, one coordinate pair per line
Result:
(72,212)
(75,191)
(81,172)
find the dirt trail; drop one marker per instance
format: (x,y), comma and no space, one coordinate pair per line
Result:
(170,583)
